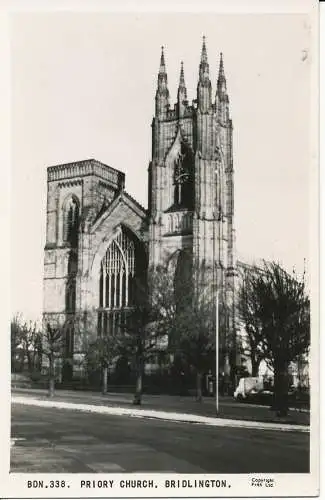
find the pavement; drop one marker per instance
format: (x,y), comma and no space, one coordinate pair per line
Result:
(178,409)
(63,441)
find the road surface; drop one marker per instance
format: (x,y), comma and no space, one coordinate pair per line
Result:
(54,440)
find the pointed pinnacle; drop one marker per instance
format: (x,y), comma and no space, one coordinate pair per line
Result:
(162,68)
(204,55)
(204,65)
(221,68)
(162,88)
(181,77)
(182,86)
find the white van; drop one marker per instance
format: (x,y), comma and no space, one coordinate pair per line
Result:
(248,385)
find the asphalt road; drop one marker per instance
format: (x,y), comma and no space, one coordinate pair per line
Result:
(53,440)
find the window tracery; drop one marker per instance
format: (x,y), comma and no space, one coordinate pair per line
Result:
(117,282)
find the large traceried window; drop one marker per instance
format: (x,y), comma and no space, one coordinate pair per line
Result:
(117,281)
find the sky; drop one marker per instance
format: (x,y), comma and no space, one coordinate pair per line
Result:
(83,86)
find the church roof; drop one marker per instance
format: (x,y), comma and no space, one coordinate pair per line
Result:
(125,197)
(136,202)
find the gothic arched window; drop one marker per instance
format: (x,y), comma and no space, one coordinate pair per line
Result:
(117,274)
(70,292)
(184,178)
(117,281)
(71,221)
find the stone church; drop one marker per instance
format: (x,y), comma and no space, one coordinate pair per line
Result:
(100,239)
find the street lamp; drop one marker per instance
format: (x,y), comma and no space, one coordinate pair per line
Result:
(218,171)
(217,351)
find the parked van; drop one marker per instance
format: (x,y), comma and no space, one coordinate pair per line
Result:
(248,386)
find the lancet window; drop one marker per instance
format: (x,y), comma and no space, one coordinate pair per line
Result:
(71,295)
(71,221)
(183,179)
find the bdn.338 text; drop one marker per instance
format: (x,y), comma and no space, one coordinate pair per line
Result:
(47,484)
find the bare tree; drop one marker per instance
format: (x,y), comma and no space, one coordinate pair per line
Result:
(282,312)
(139,335)
(248,308)
(151,320)
(102,352)
(26,340)
(54,337)
(15,337)
(195,323)
(187,315)
(31,344)
(90,347)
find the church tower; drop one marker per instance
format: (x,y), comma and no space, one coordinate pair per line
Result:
(77,194)
(190,199)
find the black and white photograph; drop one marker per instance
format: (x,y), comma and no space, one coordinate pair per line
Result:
(163,253)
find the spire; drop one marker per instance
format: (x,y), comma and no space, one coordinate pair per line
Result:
(162,69)
(182,86)
(162,75)
(204,85)
(222,99)
(204,65)
(181,77)
(162,94)
(181,93)
(204,55)
(221,83)
(221,68)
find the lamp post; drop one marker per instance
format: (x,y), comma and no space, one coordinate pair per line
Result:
(217,352)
